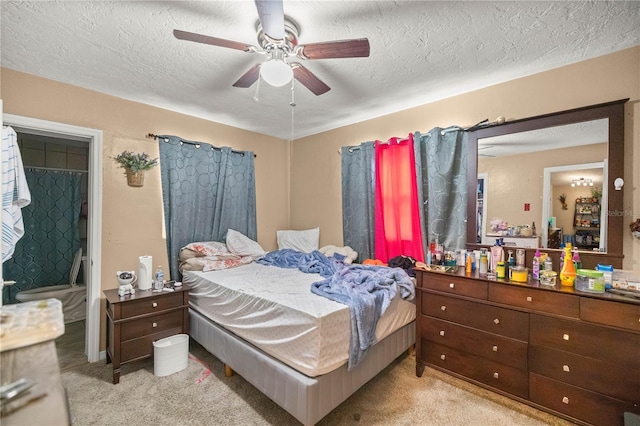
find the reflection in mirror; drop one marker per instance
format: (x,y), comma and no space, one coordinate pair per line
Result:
(516,159)
(512,168)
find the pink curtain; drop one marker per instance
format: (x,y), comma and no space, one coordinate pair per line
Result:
(397,218)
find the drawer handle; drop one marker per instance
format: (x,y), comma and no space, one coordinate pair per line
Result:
(565,368)
(565,400)
(496,321)
(495,348)
(443,308)
(496,375)
(565,336)
(154,325)
(529,299)
(442,357)
(442,332)
(452,285)
(154,304)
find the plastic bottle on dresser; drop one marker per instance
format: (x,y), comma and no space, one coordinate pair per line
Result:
(511,262)
(535,270)
(497,255)
(568,271)
(577,263)
(484,262)
(158,282)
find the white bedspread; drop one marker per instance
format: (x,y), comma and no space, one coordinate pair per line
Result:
(274,309)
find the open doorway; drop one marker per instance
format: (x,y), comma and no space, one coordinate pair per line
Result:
(560,217)
(91,139)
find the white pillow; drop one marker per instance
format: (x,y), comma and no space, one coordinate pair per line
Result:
(305,241)
(240,244)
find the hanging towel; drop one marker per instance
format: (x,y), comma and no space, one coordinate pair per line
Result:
(15,192)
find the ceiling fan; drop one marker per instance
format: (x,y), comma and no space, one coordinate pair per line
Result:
(278,40)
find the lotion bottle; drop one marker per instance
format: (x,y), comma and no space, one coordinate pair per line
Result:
(497,255)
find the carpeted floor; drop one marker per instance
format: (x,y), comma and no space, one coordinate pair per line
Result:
(193,397)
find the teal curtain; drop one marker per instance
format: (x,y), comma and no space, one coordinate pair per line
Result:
(441,166)
(358,198)
(43,256)
(206,190)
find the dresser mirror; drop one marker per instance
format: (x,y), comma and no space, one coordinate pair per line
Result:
(518,144)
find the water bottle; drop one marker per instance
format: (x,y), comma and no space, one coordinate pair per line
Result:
(158,282)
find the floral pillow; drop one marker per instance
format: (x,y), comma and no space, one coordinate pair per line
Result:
(209,248)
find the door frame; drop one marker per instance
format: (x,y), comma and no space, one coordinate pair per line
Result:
(94,138)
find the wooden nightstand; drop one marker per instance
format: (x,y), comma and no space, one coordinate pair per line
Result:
(135,321)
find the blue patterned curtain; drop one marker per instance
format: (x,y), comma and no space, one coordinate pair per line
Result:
(441,165)
(205,190)
(358,200)
(43,256)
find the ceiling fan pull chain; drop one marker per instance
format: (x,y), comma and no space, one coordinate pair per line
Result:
(256,97)
(292,104)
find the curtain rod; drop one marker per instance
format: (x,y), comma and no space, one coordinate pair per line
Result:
(196,144)
(56,169)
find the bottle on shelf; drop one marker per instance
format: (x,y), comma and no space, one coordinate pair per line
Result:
(497,254)
(511,262)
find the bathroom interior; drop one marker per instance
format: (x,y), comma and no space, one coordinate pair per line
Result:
(49,261)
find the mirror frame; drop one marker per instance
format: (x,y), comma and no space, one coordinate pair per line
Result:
(613,111)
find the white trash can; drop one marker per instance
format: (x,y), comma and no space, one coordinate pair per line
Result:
(170,354)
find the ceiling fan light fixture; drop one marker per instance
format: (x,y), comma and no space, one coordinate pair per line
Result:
(276,72)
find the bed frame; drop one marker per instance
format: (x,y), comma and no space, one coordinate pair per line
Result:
(308,399)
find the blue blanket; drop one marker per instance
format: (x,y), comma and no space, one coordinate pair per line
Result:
(366,290)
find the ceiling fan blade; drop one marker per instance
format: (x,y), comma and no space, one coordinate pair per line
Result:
(271,14)
(214,41)
(309,80)
(249,77)
(355,48)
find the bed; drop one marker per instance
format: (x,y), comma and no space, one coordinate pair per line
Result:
(263,322)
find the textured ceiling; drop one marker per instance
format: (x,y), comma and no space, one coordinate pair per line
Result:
(421,51)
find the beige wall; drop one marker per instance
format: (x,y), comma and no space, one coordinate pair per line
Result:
(132,221)
(315,167)
(518,179)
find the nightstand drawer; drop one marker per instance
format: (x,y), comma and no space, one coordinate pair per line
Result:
(150,305)
(608,378)
(579,403)
(535,299)
(502,321)
(143,346)
(606,344)
(152,324)
(455,285)
(486,345)
(500,376)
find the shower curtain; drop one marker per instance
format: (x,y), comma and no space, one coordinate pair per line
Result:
(44,255)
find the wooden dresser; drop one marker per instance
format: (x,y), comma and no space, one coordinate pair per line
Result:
(135,321)
(573,354)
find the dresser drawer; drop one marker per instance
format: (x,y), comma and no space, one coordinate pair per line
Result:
(455,285)
(150,305)
(612,379)
(494,374)
(624,315)
(143,346)
(606,344)
(486,345)
(579,403)
(151,324)
(502,321)
(535,299)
